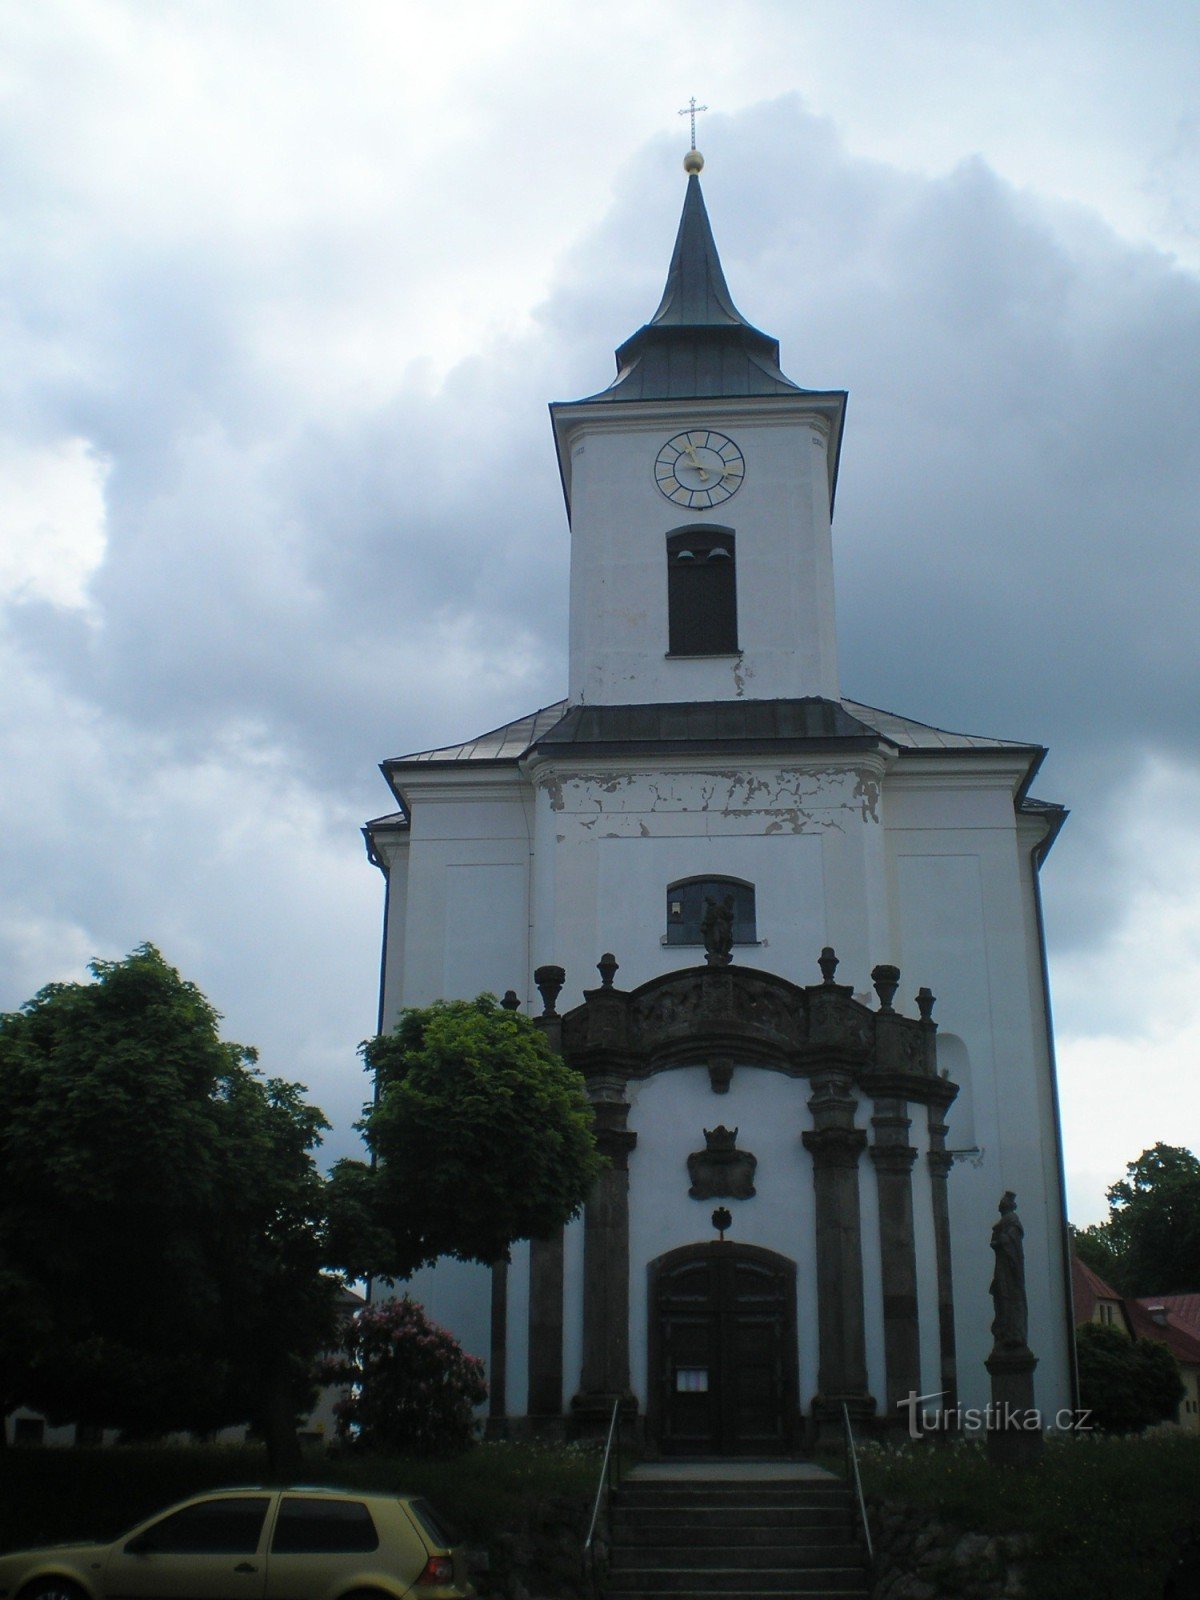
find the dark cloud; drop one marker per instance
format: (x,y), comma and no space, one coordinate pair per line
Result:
(307,584)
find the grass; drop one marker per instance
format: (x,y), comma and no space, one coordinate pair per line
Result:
(527,1504)
(1104,1514)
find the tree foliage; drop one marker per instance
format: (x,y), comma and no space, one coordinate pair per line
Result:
(160,1212)
(1151,1241)
(412,1388)
(482,1135)
(1126,1384)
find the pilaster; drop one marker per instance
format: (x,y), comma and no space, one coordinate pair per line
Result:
(835,1145)
(893,1158)
(940,1162)
(605,1374)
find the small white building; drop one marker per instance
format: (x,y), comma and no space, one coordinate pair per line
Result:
(705,762)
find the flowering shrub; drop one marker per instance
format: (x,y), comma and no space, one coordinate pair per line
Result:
(412,1388)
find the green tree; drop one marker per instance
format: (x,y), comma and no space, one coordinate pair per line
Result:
(160,1214)
(1126,1384)
(1094,1247)
(1154,1223)
(481,1135)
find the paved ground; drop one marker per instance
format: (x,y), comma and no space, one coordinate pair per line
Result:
(732,1470)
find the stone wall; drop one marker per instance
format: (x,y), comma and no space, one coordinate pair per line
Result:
(920,1558)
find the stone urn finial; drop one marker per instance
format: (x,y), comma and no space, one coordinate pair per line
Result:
(510,1001)
(607,968)
(828,964)
(549,980)
(886,980)
(926,1001)
(722,1218)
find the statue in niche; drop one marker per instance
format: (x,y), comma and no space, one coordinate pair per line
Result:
(1010,1327)
(716,929)
(721,1171)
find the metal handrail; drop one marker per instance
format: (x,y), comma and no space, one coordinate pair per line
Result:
(852,1470)
(610,1473)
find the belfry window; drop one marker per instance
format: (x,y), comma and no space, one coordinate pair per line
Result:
(701,593)
(685,908)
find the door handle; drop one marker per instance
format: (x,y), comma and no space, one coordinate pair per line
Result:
(245,1566)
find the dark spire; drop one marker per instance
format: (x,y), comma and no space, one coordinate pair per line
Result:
(696,294)
(697,344)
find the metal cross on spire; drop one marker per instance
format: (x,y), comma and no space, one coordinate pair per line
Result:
(690,110)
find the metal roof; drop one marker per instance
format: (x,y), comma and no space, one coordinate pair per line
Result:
(505,743)
(697,345)
(912,735)
(725,723)
(718,721)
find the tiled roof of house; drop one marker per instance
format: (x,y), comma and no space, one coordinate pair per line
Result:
(1182,1340)
(1087,1287)
(1167,1327)
(1185,1306)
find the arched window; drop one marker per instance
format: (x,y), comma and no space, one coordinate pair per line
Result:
(701,592)
(685,908)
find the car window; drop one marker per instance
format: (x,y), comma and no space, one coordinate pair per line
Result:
(431,1524)
(227,1527)
(323,1527)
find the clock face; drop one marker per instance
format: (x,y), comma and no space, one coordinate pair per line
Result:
(699,468)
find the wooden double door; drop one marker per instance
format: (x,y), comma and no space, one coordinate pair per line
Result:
(723,1351)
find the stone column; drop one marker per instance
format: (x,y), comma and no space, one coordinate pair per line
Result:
(546,1327)
(835,1145)
(893,1158)
(605,1375)
(940,1162)
(546,1260)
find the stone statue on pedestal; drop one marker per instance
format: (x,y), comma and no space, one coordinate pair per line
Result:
(1014,1424)
(1010,1326)
(716,929)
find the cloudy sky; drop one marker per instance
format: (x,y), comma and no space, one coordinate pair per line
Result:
(286,288)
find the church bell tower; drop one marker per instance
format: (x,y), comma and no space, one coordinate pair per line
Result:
(773,882)
(699,488)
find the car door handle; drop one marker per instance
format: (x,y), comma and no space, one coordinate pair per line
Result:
(245,1566)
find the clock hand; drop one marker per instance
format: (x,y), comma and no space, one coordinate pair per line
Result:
(690,449)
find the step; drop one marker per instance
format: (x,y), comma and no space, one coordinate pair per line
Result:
(745,1556)
(858,1590)
(717,1517)
(822,1526)
(733,1494)
(646,1582)
(719,1580)
(768,1488)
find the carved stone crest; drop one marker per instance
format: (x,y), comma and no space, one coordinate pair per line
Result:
(721,1170)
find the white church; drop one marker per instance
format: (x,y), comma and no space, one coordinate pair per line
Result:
(793,942)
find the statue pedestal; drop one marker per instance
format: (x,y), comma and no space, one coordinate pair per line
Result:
(1014,1435)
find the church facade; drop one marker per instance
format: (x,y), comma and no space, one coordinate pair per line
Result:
(793,942)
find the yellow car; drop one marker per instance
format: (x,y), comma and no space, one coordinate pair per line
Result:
(256,1544)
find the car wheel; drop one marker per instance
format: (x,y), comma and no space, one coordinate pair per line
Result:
(52,1589)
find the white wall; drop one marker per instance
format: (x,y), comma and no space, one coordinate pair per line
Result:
(669,1113)
(808,837)
(619,525)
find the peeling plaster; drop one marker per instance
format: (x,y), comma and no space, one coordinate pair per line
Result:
(554,790)
(867,790)
(781,800)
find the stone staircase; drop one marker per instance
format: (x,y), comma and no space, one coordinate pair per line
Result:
(735,1538)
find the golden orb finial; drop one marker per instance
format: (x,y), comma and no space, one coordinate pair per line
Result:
(693,162)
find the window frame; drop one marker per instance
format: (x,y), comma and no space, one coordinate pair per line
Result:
(702,619)
(713,883)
